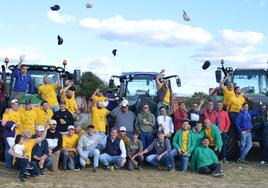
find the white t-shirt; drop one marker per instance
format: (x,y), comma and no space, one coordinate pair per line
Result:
(19,149)
(166,123)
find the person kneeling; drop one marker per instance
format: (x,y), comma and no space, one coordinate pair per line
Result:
(205,161)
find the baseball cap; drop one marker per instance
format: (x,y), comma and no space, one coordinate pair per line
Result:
(62,102)
(14,101)
(160,131)
(52,122)
(123,129)
(71,127)
(28,101)
(90,127)
(124,103)
(40,128)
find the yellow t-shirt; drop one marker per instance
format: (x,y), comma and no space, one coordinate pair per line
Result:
(62,90)
(69,142)
(71,104)
(43,116)
(96,98)
(98,118)
(28,119)
(167,96)
(209,135)
(48,93)
(80,133)
(227,94)
(12,115)
(236,103)
(28,147)
(184,141)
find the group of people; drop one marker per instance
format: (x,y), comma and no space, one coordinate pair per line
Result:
(40,137)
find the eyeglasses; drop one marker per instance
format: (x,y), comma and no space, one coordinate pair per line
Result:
(146,107)
(124,106)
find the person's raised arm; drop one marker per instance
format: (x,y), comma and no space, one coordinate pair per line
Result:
(58,81)
(223,81)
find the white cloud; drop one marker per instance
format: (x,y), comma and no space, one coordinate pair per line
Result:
(55,16)
(147,31)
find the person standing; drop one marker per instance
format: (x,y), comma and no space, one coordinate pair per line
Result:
(180,116)
(145,124)
(228,93)
(195,113)
(210,113)
(165,123)
(264,127)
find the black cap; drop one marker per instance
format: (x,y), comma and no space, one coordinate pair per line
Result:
(206,65)
(160,131)
(55,7)
(90,127)
(114,52)
(62,102)
(60,40)
(28,101)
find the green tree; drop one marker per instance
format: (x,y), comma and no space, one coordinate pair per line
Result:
(196,97)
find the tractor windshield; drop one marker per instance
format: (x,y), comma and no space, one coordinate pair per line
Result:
(251,81)
(140,85)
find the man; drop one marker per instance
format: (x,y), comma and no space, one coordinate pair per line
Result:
(124,117)
(28,117)
(184,145)
(214,135)
(115,151)
(40,152)
(88,146)
(165,123)
(69,151)
(205,161)
(195,113)
(54,139)
(210,113)
(64,118)
(162,147)
(134,147)
(164,93)
(223,123)
(71,104)
(2,96)
(78,130)
(199,133)
(22,83)
(98,119)
(145,124)
(180,116)
(98,96)
(123,136)
(48,92)
(68,85)
(228,92)
(244,127)
(44,113)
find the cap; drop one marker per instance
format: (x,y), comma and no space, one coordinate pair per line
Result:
(70,127)
(60,40)
(89,5)
(40,128)
(124,103)
(122,129)
(55,7)
(53,122)
(160,131)
(28,101)
(62,102)
(90,127)
(14,101)
(114,52)
(206,65)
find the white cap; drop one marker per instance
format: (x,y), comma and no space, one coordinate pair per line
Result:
(53,122)
(123,129)
(40,128)
(71,127)
(14,101)
(124,103)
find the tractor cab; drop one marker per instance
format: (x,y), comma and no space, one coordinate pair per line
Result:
(139,88)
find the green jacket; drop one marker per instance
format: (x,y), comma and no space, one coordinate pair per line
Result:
(198,137)
(203,156)
(139,125)
(177,141)
(216,134)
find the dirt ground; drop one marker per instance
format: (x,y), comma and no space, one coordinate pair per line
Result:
(237,175)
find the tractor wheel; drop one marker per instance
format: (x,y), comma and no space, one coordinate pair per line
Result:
(2,149)
(232,144)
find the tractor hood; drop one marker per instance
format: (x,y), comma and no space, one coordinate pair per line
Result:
(257,100)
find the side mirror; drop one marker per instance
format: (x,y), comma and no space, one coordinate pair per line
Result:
(111,82)
(218,76)
(178,82)
(77,76)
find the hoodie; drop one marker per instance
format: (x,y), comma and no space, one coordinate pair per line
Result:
(244,120)
(87,143)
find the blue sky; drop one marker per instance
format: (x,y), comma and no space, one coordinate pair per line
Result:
(150,35)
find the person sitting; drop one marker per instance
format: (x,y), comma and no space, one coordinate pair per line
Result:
(88,146)
(70,154)
(54,139)
(40,152)
(78,130)
(205,161)
(183,144)
(162,147)
(123,136)
(165,123)
(114,152)
(199,133)
(134,147)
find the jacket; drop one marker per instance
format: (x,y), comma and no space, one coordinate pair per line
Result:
(40,149)
(139,125)
(223,121)
(178,118)
(216,136)
(198,137)
(66,116)
(87,143)
(210,115)
(161,93)
(244,120)
(22,82)
(177,141)
(51,137)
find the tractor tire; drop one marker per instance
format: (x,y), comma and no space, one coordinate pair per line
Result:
(233,149)
(2,149)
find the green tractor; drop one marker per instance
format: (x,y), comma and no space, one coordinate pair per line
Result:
(139,88)
(253,83)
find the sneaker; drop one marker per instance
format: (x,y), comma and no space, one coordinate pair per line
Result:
(225,161)
(107,167)
(219,175)
(42,173)
(29,167)
(242,161)
(27,173)
(171,170)
(263,162)
(94,169)
(21,179)
(88,162)
(76,169)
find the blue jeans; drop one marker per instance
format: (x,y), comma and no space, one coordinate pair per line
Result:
(184,160)
(146,138)
(21,164)
(55,108)
(265,149)
(246,144)
(224,137)
(95,153)
(47,164)
(107,159)
(152,159)
(70,162)
(8,157)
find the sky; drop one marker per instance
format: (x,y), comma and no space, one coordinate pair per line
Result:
(150,35)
